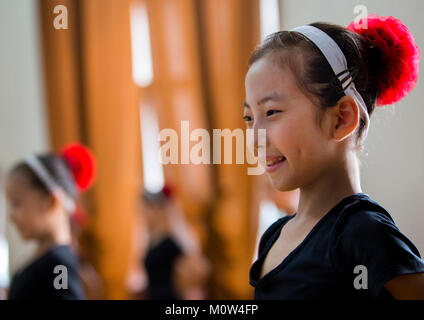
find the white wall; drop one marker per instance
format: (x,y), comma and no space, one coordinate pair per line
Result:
(22,117)
(392,172)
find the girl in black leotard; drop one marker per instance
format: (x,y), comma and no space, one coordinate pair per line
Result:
(313,90)
(41,193)
(172,251)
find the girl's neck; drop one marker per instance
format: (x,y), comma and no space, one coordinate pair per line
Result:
(59,236)
(158,231)
(341,181)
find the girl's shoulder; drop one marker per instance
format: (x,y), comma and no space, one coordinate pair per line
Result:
(363,215)
(365,235)
(365,228)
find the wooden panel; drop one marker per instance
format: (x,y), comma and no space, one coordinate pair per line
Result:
(230,33)
(178,95)
(113,131)
(61,65)
(89,77)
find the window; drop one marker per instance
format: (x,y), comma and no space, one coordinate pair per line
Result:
(270,17)
(140,44)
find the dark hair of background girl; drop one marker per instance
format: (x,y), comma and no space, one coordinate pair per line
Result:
(58,170)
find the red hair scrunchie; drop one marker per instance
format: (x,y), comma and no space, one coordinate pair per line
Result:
(400,56)
(82,164)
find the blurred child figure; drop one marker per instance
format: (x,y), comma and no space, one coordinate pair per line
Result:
(41,193)
(174,265)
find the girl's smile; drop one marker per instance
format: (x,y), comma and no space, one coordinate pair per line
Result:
(273,163)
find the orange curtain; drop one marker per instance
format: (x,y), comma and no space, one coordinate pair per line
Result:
(230,30)
(200,50)
(178,96)
(62,74)
(92,98)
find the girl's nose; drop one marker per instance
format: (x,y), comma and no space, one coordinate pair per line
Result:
(260,139)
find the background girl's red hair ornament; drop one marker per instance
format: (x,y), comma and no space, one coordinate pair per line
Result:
(82,164)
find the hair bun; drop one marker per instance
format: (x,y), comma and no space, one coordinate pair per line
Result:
(82,164)
(400,56)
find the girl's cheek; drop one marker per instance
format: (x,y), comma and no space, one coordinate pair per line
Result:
(278,131)
(285,136)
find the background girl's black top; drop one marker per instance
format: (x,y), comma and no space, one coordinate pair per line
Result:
(36,281)
(159,262)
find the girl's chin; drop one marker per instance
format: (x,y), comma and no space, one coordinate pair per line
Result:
(274,182)
(280,185)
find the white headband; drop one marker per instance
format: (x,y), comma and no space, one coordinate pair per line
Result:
(53,187)
(337,61)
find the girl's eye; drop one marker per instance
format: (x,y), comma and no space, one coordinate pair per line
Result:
(271,112)
(247,118)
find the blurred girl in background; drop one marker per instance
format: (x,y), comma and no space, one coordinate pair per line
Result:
(173,262)
(41,193)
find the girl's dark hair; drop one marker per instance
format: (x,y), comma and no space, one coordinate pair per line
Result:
(314,74)
(58,170)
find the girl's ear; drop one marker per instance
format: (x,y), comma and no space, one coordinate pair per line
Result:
(346,118)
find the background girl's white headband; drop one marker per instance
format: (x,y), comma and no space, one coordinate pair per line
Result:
(337,61)
(53,187)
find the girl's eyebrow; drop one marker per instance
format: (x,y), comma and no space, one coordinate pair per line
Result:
(271,97)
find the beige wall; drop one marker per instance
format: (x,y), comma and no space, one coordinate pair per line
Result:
(392,172)
(22,119)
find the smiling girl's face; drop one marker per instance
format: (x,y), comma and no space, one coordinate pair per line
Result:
(298,147)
